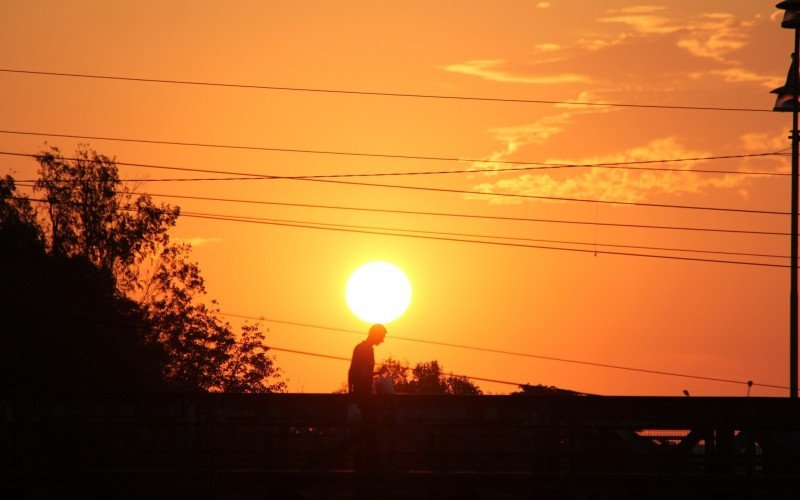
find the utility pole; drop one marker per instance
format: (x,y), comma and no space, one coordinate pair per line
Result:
(787,100)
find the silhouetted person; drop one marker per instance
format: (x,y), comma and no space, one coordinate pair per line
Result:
(362,364)
(359,385)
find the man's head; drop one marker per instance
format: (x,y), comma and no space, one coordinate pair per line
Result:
(377,333)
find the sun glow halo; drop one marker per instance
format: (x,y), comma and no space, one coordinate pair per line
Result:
(378,292)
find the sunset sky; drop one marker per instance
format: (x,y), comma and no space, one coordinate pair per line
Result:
(713,319)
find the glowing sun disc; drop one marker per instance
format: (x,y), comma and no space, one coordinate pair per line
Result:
(378,292)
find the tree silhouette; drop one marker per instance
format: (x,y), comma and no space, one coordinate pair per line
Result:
(91,214)
(62,323)
(79,286)
(427,378)
(203,351)
(397,372)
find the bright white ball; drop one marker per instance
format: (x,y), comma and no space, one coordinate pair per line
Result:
(378,292)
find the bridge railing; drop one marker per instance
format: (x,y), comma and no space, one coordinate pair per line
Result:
(297,432)
(233,446)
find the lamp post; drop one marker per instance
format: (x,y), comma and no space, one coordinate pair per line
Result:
(788,101)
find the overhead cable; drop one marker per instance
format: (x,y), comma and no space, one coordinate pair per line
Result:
(509,195)
(494,243)
(514,353)
(483,236)
(553,198)
(475,216)
(324,227)
(546,165)
(340,358)
(378,94)
(265,347)
(621,165)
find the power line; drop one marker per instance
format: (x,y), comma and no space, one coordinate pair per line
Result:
(265,347)
(495,243)
(340,358)
(473,216)
(377,94)
(423,341)
(509,195)
(544,357)
(511,219)
(554,198)
(624,165)
(324,227)
(485,236)
(519,354)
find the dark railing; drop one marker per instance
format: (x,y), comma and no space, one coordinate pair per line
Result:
(300,445)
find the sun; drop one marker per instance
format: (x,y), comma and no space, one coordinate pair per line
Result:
(378,292)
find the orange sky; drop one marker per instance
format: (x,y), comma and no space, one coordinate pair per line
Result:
(718,320)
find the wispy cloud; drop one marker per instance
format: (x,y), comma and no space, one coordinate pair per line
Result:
(516,137)
(586,96)
(714,36)
(535,134)
(643,22)
(766,142)
(596,43)
(762,142)
(546,47)
(637,9)
(489,69)
(707,36)
(741,75)
(611,184)
(710,35)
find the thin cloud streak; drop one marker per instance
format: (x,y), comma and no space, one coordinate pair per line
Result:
(644,23)
(741,75)
(637,9)
(487,69)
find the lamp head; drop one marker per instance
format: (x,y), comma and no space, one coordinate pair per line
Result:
(791,18)
(785,101)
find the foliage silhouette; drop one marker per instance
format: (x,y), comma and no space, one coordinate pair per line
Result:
(91,214)
(424,378)
(63,325)
(96,297)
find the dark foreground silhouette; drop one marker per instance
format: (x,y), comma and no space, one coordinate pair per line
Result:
(291,446)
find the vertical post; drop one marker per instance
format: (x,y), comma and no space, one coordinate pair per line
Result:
(793,254)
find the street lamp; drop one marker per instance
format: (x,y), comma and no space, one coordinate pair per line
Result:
(791,18)
(788,101)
